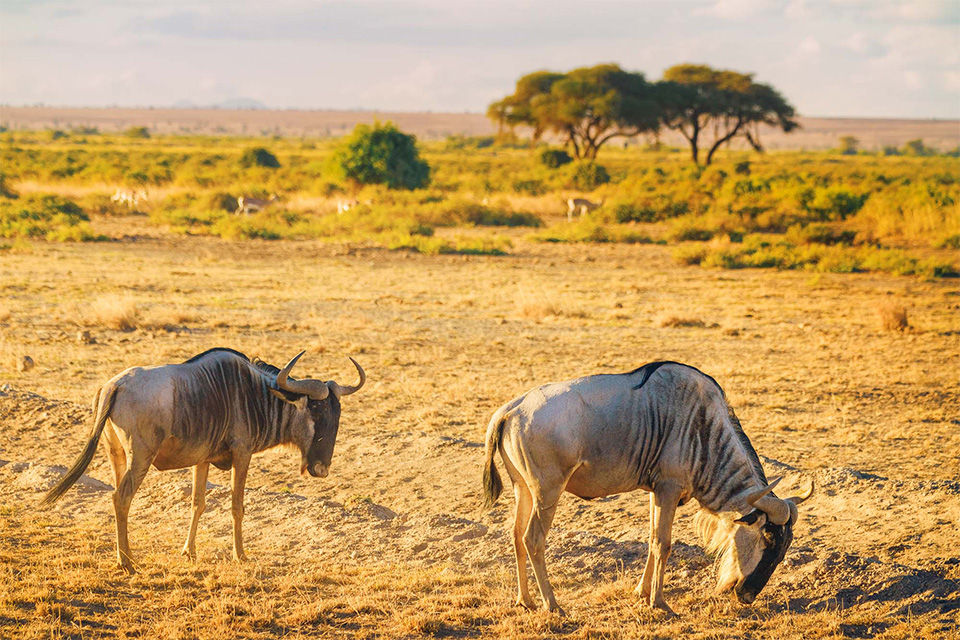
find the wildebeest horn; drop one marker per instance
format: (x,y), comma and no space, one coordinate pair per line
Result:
(317,390)
(776,509)
(797,500)
(345,390)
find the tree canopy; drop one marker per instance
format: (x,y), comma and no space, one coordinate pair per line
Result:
(586,107)
(699,101)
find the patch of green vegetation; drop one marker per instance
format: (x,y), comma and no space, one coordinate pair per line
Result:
(44,216)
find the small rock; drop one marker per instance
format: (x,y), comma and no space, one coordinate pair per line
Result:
(419,547)
(25,364)
(83,336)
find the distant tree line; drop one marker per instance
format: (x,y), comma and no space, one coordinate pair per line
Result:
(590,106)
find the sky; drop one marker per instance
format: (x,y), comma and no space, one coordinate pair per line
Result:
(833,58)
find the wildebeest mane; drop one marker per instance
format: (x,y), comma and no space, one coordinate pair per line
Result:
(217,349)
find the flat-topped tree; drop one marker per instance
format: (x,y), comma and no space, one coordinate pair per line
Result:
(720,105)
(586,107)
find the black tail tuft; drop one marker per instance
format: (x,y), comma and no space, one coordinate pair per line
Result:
(80,465)
(492,485)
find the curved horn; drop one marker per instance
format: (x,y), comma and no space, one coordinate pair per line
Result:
(762,492)
(345,390)
(776,509)
(797,500)
(317,390)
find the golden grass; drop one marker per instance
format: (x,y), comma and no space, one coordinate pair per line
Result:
(445,341)
(672,320)
(114,312)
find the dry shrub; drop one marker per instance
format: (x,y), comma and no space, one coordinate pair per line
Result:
(115,312)
(538,311)
(893,317)
(672,320)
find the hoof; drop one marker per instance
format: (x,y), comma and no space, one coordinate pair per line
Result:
(526,605)
(663,607)
(187,553)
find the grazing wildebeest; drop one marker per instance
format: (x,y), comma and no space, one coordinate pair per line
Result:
(218,407)
(665,428)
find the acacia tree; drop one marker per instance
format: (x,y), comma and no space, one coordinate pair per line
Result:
(586,107)
(699,101)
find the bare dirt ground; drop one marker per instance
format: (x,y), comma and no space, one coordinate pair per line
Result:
(814,133)
(394,543)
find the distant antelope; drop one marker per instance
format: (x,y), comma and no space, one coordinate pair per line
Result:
(129,198)
(246,204)
(347,205)
(583,205)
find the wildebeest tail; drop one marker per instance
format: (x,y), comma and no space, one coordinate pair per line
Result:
(492,485)
(103,405)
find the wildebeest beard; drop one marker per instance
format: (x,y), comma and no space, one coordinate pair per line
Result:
(782,536)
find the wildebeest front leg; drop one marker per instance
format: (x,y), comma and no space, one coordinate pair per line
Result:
(199,503)
(666,496)
(132,478)
(643,588)
(241,462)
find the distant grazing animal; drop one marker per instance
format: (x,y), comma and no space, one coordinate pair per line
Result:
(218,407)
(346,205)
(129,198)
(665,428)
(582,205)
(247,204)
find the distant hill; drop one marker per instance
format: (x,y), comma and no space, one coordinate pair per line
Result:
(246,116)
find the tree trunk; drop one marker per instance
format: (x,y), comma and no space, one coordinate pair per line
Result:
(720,141)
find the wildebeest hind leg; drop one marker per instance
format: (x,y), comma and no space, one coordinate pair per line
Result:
(126,488)
(521,519)
(116,454)
(199,503)
(535,540)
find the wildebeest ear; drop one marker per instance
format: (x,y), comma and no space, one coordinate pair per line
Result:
(749,518)
(297,400)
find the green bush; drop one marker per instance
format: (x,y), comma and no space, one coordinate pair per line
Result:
(44,216)
(555,158)
(587,176)
(381,155)
(259,157)
(137,132)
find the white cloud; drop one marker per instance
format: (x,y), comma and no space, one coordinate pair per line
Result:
(856,42)
(951,81)
(810,46)
(913,80)
(736,9)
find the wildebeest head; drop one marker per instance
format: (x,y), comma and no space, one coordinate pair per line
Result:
(320,400)
(751,547)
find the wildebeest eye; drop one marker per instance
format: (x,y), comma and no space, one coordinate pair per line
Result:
(768,538)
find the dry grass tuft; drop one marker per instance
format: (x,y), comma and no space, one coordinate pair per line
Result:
(5,314)
(539,311)
(672,320)
(115,312)
(893,317)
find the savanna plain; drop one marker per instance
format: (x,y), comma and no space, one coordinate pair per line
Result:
(819,295)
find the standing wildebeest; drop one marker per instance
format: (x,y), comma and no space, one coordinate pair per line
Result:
(665,428)
(218,407)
